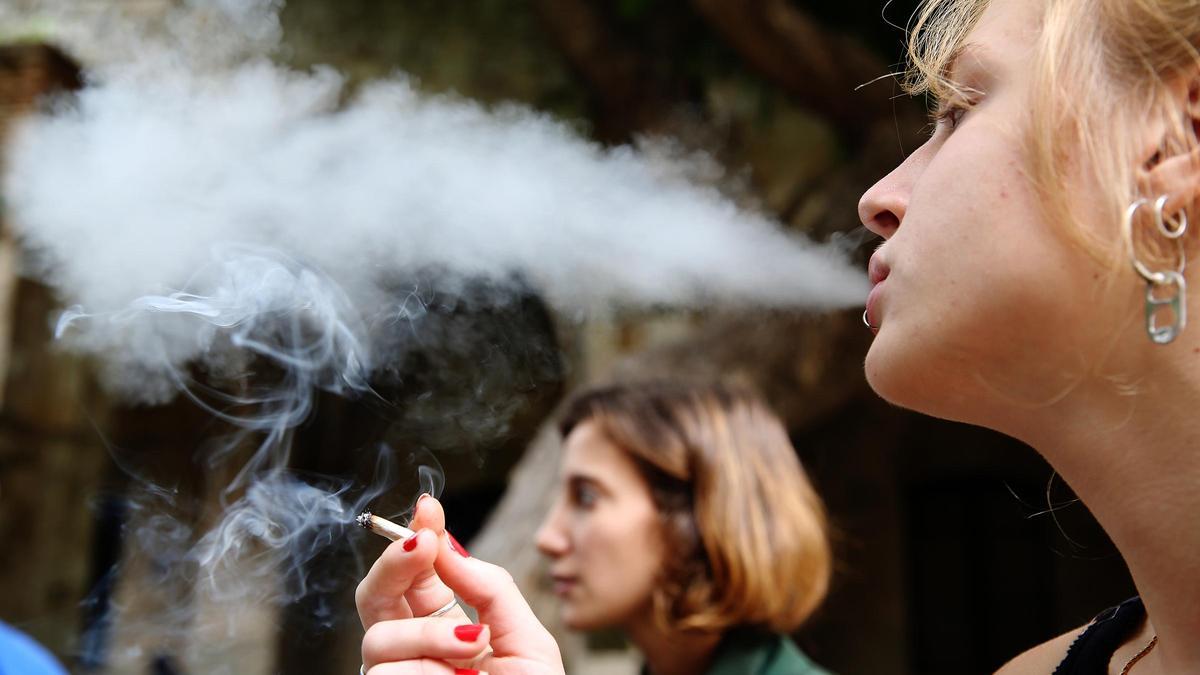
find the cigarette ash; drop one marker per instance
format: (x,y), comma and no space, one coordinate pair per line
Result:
(364,520)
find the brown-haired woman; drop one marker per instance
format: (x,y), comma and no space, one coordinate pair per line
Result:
(684,518)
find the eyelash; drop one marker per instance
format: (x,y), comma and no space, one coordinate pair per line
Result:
(951,113)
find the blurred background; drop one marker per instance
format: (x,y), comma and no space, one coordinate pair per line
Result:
(956,547)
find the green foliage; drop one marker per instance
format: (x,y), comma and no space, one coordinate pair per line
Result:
(633,10)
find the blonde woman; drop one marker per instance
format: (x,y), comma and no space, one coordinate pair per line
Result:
(683,517)
(1034,279)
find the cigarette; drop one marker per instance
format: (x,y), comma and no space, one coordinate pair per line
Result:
(383,527)
(389,530)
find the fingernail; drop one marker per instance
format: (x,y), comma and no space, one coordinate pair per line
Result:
(410,543)
(423,497)
(468,632)
(458,548)
(465,671)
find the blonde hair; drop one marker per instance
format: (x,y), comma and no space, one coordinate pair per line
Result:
(1102,68)
(746,529)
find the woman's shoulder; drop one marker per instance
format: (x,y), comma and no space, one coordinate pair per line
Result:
(1087,649)
(1043,658)
(746,652)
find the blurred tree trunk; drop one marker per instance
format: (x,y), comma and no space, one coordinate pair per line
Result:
(51,464)
(508,535)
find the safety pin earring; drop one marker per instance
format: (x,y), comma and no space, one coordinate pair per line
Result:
(1172,280)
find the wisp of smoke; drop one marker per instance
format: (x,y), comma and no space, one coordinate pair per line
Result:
(272,532)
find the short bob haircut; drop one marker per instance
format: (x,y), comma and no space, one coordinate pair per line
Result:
(734,501)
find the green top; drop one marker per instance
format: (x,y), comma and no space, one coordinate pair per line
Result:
(749,652)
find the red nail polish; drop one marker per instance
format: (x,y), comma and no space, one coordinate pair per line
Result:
(458,548)
(468,632)
(465,671)
(410,543)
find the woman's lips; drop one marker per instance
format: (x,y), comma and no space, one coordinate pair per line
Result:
(563,584)
(872,304)
(878,271)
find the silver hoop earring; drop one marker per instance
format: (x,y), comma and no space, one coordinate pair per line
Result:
(1175,229)
(867,322)
(1172,281)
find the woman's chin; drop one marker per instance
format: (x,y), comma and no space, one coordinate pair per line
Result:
(901,375)
(572,620)
(576,620)
(883,374)
(907,378)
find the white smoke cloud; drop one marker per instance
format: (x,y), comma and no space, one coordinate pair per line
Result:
(131,189)
(178,150)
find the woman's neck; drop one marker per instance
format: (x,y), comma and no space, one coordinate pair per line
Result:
(1134,460)
(672,652)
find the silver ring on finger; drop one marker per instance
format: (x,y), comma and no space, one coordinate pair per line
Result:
(444,609)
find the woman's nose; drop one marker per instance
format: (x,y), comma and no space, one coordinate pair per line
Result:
(551,540)
(882,208)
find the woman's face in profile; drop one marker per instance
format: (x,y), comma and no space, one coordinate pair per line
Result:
(602,536)
(984,308)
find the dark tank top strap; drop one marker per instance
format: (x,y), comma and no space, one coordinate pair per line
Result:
(1093,649)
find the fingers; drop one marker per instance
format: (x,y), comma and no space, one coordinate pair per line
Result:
(421,667)
(428,514)
(380,596)
(447,640)
(408,580)
(492,591)
(427,593)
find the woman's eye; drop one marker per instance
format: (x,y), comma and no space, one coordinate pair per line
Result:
(584,496)
(951,114)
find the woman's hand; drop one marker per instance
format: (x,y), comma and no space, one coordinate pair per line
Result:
(416,577)
(402,583)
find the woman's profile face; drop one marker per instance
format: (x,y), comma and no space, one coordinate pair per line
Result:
(983,308)
(602,536)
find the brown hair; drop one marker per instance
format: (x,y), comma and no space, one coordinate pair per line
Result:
(746,528)
(1102,69)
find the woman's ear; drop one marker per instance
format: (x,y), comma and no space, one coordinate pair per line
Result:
(1177,177)
(1174,169)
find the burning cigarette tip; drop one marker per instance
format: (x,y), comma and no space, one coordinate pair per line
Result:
(382,526)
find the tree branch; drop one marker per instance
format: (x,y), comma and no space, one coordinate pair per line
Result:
(818,67)
(629,99)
